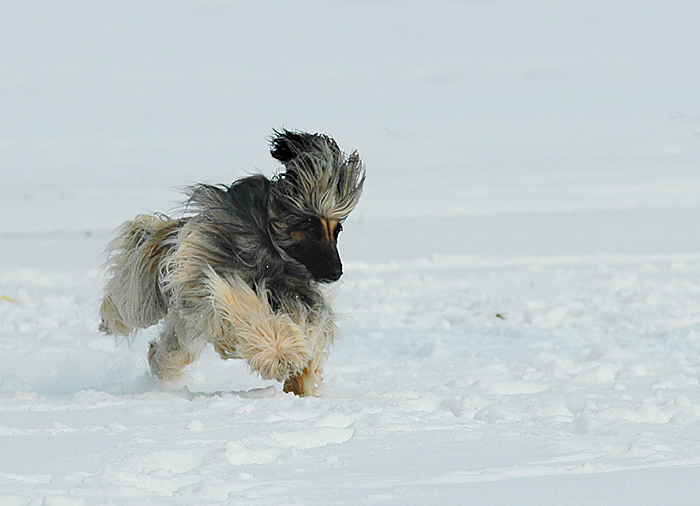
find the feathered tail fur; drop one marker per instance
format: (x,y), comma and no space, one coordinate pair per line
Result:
(133,297)
(242,269)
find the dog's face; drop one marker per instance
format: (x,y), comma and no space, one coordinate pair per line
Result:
(314,243)
(307,203)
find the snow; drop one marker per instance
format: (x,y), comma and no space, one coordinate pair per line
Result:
(521,305)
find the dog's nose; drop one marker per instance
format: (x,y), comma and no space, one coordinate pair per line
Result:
(333,275)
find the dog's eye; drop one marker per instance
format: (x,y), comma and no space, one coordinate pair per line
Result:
(311,223)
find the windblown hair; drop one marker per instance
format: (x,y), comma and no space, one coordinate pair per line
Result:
(242,268)
(319,179)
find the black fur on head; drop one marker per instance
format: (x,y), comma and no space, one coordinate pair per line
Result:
(314,243)
(286,145)
(285,228)
(309,201)
(241,268)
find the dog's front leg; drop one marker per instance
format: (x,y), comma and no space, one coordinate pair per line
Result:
(244,325)
(309,381)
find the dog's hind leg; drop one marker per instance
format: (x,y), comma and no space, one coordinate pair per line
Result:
(111,321)
(172,351)
(245,326)
(132,297)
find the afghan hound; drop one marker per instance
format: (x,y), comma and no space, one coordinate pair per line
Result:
(243,268)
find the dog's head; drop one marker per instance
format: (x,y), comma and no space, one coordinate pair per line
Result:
(310,200)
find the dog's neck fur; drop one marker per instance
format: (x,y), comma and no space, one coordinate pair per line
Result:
(251,219)
(237,223)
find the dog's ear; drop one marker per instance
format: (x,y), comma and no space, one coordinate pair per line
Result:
(286,145)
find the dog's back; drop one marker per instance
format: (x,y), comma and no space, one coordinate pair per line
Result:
(133,296)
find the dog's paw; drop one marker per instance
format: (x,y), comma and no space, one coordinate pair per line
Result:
(304,384)
(102,327)
(282,357)
(115,328)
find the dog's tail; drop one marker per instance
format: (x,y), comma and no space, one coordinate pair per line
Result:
(133,298)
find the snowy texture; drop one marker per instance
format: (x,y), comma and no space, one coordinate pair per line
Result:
(521,303)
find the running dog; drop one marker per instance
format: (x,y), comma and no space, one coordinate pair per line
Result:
(243,268)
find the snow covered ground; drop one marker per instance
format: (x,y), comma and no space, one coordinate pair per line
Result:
(521,303)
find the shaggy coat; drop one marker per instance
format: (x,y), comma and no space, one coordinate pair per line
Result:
(242,268)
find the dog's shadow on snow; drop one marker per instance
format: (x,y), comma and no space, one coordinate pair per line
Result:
(147,384)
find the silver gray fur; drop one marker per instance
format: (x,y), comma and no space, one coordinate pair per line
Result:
(227,272)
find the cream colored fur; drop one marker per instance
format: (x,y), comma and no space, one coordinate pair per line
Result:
(232,271)
(132,298)
(287,345)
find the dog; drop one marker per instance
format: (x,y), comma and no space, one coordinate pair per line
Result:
(243,269)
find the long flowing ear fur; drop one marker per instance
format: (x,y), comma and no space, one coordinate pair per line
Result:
(286,145)
(319,179)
